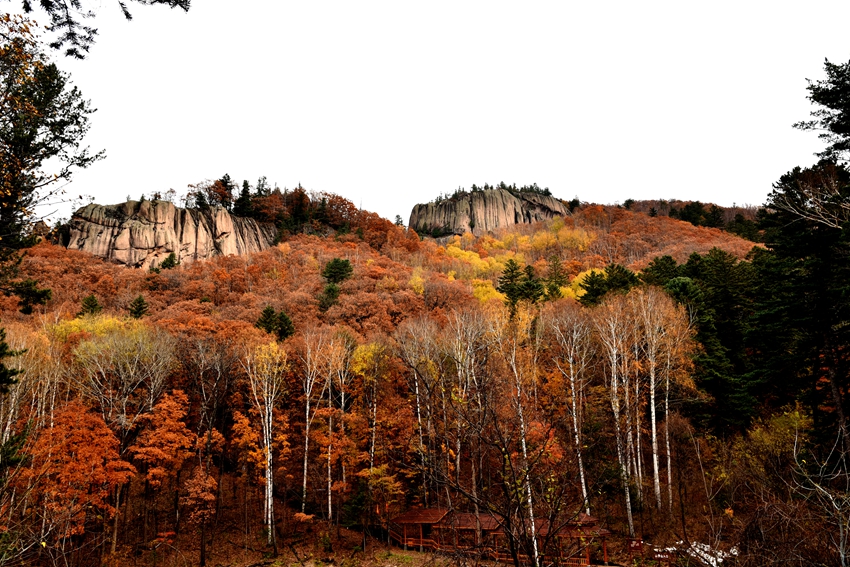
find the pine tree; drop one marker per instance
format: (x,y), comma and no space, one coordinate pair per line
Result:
(274,323)
(595,286)
(556,278)
(531,287)
(242,206)
(7,375)
(510,284)
(328,297)
(285,327)
(90,306)
(138,308)
(169,262)
(337,271)
(268,320)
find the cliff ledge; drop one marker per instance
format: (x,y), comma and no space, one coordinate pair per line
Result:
(141,234)
(482,211)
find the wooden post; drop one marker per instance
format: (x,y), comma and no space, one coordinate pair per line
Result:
(421,537)
(587,551)
(605,551)
(405,536)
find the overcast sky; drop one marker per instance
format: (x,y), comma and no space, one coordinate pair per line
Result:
(392,103)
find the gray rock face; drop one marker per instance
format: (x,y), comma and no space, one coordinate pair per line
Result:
(141,234)
(482,211)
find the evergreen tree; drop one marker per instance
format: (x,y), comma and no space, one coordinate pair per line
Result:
(721,309)
(285,327)
(169,262)
(7,375)
(242,206)
(138,308)
(531,287)
(660,271)
(797,346)
(556,278)
(328,297)
(832,117)
(337,271)
(595,286)
(90,306)
(619,278)
(278,324)
(510,284)
(615,278)
(714,217)
(268,320)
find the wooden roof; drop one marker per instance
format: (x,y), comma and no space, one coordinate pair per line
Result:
(466,521)
(421,516)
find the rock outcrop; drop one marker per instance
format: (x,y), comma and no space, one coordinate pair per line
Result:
(143,234)
(482,211)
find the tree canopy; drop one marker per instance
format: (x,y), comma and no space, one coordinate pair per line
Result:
(831,117)
(67,19)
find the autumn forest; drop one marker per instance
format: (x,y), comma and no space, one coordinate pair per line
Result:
(677,371)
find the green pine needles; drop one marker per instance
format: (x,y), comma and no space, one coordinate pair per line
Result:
(274,323)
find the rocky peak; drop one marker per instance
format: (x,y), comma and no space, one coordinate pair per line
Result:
(482,211)
(143,233)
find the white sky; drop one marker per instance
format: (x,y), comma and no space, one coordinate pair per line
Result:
(392,103)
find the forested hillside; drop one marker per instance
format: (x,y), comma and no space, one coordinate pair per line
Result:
(608,362)
(678,383)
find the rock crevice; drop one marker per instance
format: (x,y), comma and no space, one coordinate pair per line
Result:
(144,233)
(479,212)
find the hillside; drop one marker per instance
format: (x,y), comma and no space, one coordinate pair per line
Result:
(396,363)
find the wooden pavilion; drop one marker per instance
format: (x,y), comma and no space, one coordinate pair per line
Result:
(439,529)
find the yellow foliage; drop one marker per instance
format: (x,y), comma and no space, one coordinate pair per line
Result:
(97,325)
(270,359)
(557,224)
(543,240)
(451,275)
(568,291)
(478,267)
(484,291)
(575,238)
(364,357)
(417,282)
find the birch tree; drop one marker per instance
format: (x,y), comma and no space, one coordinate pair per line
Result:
(573,333)
(310,354)
(610,319)
(266,367)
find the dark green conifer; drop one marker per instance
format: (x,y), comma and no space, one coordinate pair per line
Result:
(90,306)
(169,262)
(337,271)
(138,308)
(7,375)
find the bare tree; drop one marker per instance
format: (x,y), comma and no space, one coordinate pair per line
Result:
(572,330)
(266,367)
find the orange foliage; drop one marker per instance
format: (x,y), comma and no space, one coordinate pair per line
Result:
(74,469)
(164,444)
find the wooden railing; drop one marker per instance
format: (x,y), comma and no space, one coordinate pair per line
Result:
(396,533)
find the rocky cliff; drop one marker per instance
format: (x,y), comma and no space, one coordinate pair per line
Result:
(482,211)
(142,234)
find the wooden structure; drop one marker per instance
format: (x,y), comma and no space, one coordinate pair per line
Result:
(438,529)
